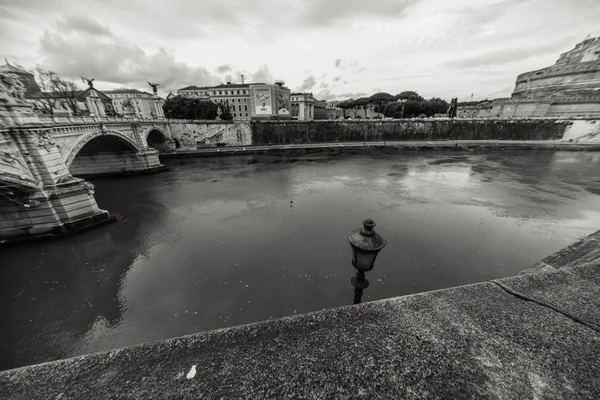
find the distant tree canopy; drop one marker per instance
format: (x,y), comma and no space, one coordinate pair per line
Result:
(180,107)
(391,106)
(409,95)
(414,106)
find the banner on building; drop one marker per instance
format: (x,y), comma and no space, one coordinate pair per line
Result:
(283,100)
(262,100)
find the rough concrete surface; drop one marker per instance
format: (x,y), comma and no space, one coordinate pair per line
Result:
(574,291)
(475,341)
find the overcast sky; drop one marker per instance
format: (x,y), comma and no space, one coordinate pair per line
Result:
(333,48)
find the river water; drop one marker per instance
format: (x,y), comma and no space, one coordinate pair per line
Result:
(225,241)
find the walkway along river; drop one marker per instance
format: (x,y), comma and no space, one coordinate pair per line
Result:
(217,242)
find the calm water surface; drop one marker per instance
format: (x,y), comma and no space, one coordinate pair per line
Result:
(227,241)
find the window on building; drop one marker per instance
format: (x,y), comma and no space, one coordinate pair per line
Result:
(240,107)
(234,114)
(246,114)
(245,107)
(245,100)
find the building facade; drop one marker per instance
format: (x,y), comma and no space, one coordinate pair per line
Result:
(568,89)
(236,95)
(200,92)
(320,109)
(246,100)
(135,103)
(302,106)
(270,101)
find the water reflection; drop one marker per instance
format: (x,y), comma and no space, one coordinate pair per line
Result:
(225,241)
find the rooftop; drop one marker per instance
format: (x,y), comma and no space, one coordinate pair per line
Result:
(14,69)
(126,90)
(195,88)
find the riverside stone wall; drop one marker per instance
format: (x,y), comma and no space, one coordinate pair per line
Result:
(289,132)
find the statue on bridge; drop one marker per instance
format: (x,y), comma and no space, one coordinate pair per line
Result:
(89,81)
(154,87)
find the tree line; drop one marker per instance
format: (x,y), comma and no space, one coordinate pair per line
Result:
(180,107)
(408,104)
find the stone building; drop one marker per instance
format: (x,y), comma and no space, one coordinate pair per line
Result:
(270,101)
(568,89)
(201,92)
(303,106)
(320,109)
(135,103)
(246,100)
(237,95)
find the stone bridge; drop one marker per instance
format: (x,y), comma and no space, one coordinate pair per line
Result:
(42,161)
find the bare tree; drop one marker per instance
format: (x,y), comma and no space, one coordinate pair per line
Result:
(47,100)
(54,88)
(67,91)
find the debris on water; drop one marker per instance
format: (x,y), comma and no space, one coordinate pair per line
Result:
(192,372)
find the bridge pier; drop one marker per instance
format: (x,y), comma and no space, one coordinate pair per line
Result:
(58,204)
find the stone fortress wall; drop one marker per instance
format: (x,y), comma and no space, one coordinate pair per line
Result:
(568,89)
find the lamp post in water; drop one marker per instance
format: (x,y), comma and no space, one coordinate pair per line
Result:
(365,243)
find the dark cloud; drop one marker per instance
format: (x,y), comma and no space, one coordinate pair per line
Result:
(94,51)
(338,63)
(337,78)
(308,84)
(323,85)
(224,68)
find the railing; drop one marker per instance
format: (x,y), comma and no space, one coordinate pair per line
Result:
(95,119)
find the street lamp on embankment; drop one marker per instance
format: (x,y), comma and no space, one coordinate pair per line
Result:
(366,244)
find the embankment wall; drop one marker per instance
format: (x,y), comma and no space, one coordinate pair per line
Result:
(281,132)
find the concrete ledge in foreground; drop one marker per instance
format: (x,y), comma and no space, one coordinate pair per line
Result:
(520,337)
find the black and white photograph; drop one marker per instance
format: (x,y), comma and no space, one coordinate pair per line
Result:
(299,199)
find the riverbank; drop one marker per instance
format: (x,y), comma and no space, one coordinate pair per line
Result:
(361,147)
(534,335)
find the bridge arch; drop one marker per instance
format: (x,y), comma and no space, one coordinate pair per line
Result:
(156,138)
(105,140)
